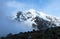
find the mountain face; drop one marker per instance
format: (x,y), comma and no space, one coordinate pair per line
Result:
(36,18)
(31,14)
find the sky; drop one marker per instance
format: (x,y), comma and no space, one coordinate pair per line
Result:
(47,6)
(10,7)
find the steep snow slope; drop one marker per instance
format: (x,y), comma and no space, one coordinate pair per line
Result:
(31,13)
(52,19)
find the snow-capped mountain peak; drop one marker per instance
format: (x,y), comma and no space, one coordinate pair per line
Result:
(33,13)
(9,24)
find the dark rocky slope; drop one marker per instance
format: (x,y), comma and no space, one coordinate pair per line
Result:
(51,33)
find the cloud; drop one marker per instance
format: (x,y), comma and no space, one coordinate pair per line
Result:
(20,5)
(7,25)
(15,4)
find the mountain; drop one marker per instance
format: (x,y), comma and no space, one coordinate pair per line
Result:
(10,24)
(31,14)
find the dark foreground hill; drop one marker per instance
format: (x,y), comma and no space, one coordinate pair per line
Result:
(51,33)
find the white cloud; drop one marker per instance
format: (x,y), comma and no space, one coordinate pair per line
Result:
(15,4)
